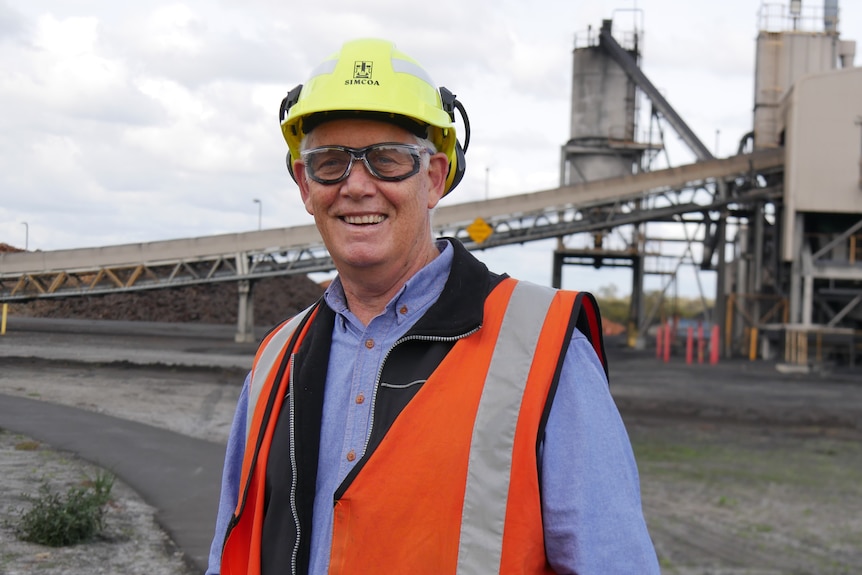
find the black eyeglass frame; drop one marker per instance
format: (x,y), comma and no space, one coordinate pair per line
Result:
(415,151)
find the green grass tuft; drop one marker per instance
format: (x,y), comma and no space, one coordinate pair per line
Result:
(59,520)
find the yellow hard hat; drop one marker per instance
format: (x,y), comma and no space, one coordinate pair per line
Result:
(370,78)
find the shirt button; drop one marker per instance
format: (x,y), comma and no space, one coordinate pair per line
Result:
(403,310)
(351,455)
(369,343)
(360,398)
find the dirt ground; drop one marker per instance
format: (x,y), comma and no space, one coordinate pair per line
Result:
(132,542)
(744,471)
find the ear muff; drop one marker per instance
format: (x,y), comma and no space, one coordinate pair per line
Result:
(288,101)
(288,159)
(458,163)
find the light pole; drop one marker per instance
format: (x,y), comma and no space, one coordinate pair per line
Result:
(26,235)
(259,212)
(859,123)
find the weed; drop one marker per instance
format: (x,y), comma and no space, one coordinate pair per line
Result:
(59,520)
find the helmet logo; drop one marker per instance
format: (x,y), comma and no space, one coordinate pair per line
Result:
(362,74)
(362,69)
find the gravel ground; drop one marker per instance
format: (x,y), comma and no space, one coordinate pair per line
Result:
(744,471)
(747,500)
(131,544)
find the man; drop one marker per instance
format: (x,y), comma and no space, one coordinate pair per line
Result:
(426,416)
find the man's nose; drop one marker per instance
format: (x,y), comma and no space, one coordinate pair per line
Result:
(359,181)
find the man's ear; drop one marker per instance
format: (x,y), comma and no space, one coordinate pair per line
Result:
(302,182)
(438,169)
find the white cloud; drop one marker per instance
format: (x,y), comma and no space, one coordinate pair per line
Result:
(11,22)
(175,29)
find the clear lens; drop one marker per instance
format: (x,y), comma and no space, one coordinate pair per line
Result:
(389,162)
(327,164)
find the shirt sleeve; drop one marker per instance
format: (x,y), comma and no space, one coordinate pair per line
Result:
(230,478)
(591,505)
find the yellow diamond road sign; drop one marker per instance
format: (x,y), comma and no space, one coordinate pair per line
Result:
(479,230)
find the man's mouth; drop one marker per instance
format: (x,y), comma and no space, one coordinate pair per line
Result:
(364,220)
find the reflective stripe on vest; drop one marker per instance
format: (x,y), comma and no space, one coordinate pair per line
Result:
(267,361)
(489,467)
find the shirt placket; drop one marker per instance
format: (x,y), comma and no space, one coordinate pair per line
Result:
(370,350)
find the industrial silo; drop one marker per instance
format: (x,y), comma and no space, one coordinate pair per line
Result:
(603,110)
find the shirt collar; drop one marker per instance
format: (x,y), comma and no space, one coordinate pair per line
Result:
(419,291)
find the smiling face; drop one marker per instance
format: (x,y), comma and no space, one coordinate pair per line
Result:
(374,230)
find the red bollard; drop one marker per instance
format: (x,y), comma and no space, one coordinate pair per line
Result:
(689,345)
(713,345)
(700,342)
(667,334)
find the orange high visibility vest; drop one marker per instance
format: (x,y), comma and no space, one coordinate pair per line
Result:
(241,552)
(453,487)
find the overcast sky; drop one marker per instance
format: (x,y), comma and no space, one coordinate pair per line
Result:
(130,122)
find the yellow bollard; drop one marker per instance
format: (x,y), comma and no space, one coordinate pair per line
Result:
(3,321)
(752,344)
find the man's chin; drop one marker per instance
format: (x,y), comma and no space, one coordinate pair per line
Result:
(360,259)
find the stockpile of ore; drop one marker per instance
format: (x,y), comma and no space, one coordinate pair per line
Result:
(275,299)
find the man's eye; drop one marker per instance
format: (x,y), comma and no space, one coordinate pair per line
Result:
(329,162)
(391,158)
(384,159)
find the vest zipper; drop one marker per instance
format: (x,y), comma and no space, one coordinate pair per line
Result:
(293,510)
(383,363)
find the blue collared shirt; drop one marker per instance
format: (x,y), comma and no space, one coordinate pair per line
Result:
(591,503)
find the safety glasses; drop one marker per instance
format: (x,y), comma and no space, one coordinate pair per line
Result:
(390,162)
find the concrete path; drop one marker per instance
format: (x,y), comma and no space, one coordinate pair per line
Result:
(137,343)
